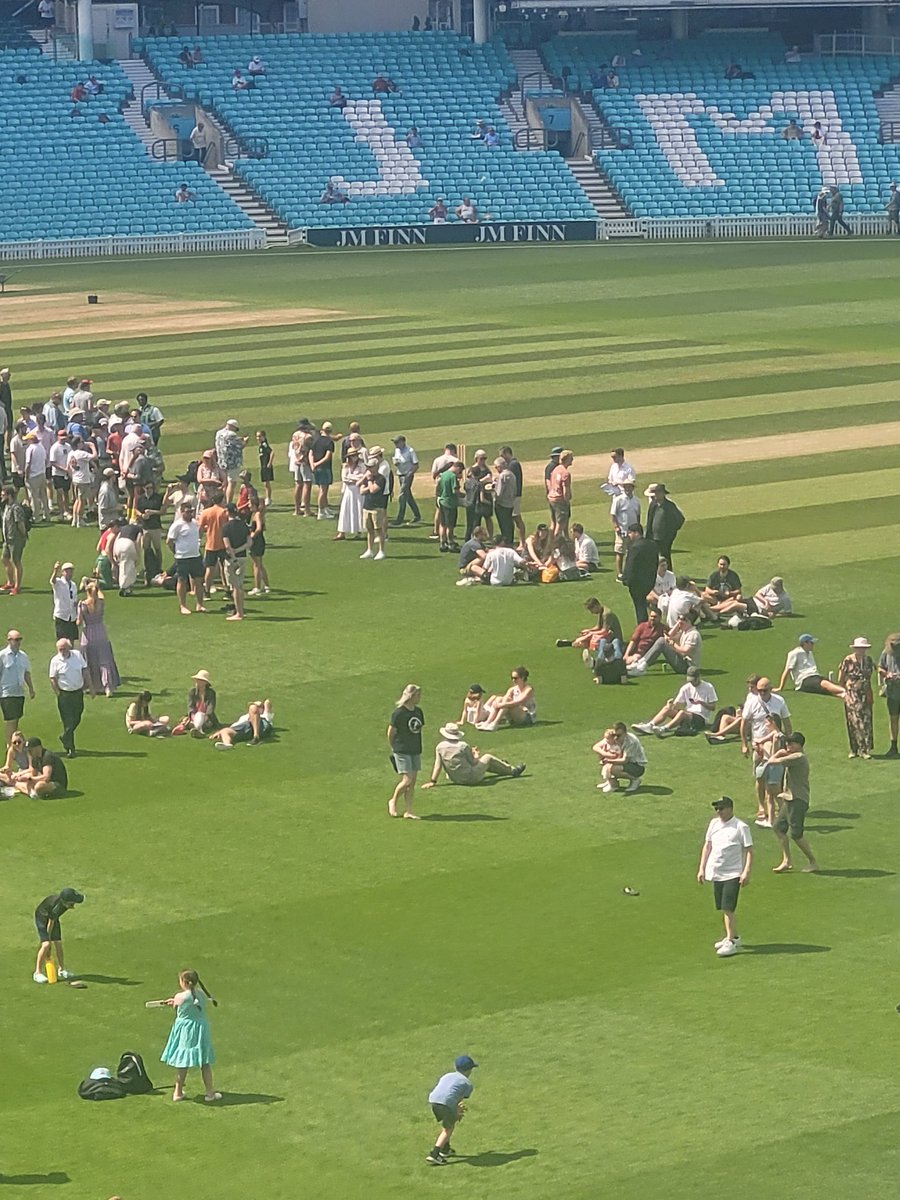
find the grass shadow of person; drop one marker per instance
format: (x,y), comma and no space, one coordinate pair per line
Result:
(229,1099)
(786,948)
(856,873)
(832,816)
(110,753)
(462,817)
(494,1158)
(119,980)
(655,789)
(22,1180)
(826,829)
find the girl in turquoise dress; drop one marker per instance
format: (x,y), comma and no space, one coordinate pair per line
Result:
(190,1041)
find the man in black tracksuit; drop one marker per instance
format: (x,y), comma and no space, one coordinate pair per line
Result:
(664,519)
(639,572)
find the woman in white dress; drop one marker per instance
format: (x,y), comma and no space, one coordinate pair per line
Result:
(350,516)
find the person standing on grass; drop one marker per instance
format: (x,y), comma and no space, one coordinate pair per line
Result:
(258,549)
(889,675)
(404,734)
(149,507)
(236,540)
(15,677)
(81,458)
(47,921)
(447,1103)
(639,571)
(95,644)
(65,600)
(559,494)
(183,539)
(230,454)
(15,538)
(373,490)
(350,514)
(794,802)
(58,458)
(664,519)
(321,460)
(266,463)
(515,466)
(726,861)
(406,463)
(190,1040)
(624,511)
(505,500)
(211,522)
(448,498)
(855,677)
(438,467)
(68,677)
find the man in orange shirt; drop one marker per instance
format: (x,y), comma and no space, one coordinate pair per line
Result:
(559,494)
(212,522)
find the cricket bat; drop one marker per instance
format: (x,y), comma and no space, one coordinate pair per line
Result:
(154,1004)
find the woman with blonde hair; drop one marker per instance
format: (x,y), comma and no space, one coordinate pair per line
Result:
(16,759)
(258,549)
(350,514)
(190,1040)
(855,677)
(404,734)
(95,644)
(889,678)
(139,718)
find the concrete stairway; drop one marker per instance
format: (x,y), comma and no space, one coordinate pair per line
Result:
(601,193)
(63,51)
(140,75)
(275,229)
(888,105)
(528,64)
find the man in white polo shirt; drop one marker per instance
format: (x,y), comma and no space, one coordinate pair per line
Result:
(65,600)
(406,463)
(760,704)
(500,563)
(624,511)
(183,538)
(68,674)
(726,861)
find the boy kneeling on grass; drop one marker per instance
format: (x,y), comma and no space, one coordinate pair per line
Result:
(446,1100)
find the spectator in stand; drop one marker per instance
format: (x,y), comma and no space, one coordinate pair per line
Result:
(793,55)
(230,454)
(467,212)
(47,14)
(333,195)
(239,83)
(186,59)
(79,93)
(414,139)
(197,55)
(624,511)
(491,137)
(256,66)
(681,647)
(479,131)
(438,212)
(383,85)
(792,132)
(184,195)
(559,493)
(501,563)
(338,99)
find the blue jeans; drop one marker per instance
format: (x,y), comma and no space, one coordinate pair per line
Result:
(602,646)
(406,497)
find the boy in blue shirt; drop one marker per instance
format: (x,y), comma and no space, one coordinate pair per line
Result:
(446,1100)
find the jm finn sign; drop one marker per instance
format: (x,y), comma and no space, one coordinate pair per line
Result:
(488,234)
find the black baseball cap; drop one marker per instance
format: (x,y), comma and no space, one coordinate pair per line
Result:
(723,802)
(70,896)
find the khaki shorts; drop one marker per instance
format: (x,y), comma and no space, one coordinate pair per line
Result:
(621,543)
(517,507)
(234,571)
(375,520)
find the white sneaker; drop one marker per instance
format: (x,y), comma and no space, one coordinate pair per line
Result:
(587,658)
(380,555)
(727,949)
(719,944)
(266,591)
(644,727)
(633,786)
(39,978)
(367,554)
(763,823)
(66,974)
(254,592)
(465,582)
(608,787)
(637,668)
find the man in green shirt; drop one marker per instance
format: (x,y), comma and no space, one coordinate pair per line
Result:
(794,803)
(448,497)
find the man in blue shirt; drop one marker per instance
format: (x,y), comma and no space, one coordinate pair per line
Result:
(446,1100)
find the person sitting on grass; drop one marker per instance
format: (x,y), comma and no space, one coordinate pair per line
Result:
(517,705)
(770,601)
(501,563)
(800,664)
(589,639)
(257,723)
(471,558)
(729,719)
(45,775)
(645,636)
(723,584)
(201,708)
(465,764)
(473,705)
(663,587)
(587,557)
(16,762)
(687,713)
(139,718)
(621,757)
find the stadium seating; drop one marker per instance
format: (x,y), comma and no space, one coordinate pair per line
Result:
(707,146)
(77,177)
(445,83)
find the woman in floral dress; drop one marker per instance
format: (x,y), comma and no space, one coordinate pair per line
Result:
(855,676)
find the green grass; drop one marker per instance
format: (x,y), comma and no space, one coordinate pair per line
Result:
(354,956)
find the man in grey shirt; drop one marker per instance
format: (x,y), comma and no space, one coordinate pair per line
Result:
(15,677)
(505,500)
(463,763)
(794,803)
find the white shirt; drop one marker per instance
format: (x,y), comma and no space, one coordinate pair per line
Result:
(773,602)
(83,399)
(185,536)
(690,695)
(756,710)
(680,602)
(405,461)
(633,749)
(586,550)
(14,665)
(801,664)
(665,584)
(130,443)
(728,840)
(625,511)
(59,456)
(501,563)
(79,465)
(620,473)
(35,460)
(441,464)
(65,599)
(17,452)
(47,9)
(68,672)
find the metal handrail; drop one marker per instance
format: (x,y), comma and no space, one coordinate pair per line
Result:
(540,135)
(541,77)
(248,147)
(832,44)
(160,149)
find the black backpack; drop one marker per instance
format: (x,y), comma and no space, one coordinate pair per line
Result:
(101,1089)
(132,1074)
(190,471)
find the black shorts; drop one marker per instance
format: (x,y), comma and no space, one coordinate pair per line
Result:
(726,893)
(16,479)
(189,568)
(266,474)
(812,683)
(62,483)
(792,817)
(695,723)
(444,1115)
(44,932)
(893,704)
(633,770)
(12,707)
(212,557)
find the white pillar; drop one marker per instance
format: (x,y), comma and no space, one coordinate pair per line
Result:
(85,31)
(482,23)
(679,24)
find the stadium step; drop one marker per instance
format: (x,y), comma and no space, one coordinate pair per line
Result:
(56,49)
(596,186)
(888,105)
(532,72)
(257,210)
(140,75)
